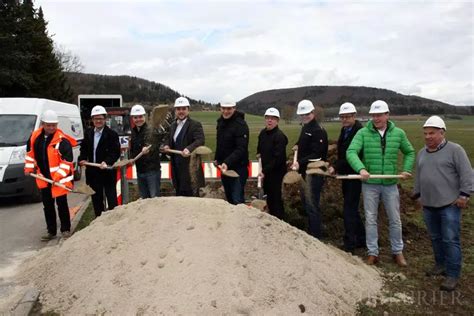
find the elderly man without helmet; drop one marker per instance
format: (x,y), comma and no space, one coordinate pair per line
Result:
(443,183)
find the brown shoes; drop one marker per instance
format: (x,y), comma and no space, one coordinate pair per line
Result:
(372,260)
(400,260)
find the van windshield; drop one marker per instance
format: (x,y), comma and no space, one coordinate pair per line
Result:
(16,129)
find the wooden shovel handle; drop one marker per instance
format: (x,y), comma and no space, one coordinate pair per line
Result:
(372,176)
(37,176)
(295,159)
(174,151)
(259,178)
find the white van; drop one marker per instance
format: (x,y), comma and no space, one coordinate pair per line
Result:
(18,118)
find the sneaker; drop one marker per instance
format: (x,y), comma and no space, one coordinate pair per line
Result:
(400,260)
(48,237)
(372,260)
(449,284)
(435,271)
(66,234)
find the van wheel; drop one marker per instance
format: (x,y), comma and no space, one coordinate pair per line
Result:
(77,174)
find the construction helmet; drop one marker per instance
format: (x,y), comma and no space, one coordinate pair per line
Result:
(137,109)
(272,112)
(49,116)
(181,101)
(98,110)
(304,107)
(379,106)
(435,121)
(347,108)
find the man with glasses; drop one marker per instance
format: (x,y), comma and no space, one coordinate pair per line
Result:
(148,166)
(186,135)
(354,236)
(232,150)
(100,145)
(380,141)
(312,144)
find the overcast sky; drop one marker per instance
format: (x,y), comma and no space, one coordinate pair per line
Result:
(208,49)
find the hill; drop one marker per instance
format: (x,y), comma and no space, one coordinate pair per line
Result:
(132,89)
(331,97)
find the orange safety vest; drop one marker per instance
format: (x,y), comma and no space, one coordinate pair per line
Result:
(62,171)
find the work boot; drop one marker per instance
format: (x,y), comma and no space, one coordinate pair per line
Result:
(449,284)
(372,260)
(435,271)
(400,260)
(66,234)
(48,237)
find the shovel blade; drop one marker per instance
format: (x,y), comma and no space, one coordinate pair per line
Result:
(83,189)
(259,204)
(203,150)
(317,171)
(122,163)
(158,115)
(318,164)
(230,173)
(292,177)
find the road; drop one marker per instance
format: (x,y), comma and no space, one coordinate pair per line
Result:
(21,226)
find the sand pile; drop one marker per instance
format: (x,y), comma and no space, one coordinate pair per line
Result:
(197,256)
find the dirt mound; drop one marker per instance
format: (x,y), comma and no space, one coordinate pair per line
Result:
(197,256)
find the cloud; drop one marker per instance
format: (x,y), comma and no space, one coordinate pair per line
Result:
(208,49)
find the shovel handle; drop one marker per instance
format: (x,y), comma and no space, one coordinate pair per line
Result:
(295,159)
(372,176)
(139,154)
(97,165)
(259,178)
(37,176)
(174,151)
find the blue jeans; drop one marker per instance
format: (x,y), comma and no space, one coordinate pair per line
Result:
(444,227)
(391,201)
(234,187)
(149,184)
(311,204)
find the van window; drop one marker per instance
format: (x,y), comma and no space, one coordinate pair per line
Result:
(16,129)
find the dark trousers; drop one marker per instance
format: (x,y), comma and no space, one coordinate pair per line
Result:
(272,188)
(50,211)
(311,197)
(102,182)
(234,187)
(354,236)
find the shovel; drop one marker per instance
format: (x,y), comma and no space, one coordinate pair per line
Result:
(97,165)
(159,116)
(228,173)
(200,150)
(318,171)
(82,189)
(292,176)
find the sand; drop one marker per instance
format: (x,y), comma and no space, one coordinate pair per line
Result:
(187,256)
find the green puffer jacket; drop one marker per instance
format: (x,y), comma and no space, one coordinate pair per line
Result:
(375,159)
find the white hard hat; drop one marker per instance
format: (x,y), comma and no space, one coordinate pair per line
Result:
(435,121)
(379,106)
(347,108)
(181,101)
(49,116)
(98,110)
(137,109)
(272,112)
(304,107)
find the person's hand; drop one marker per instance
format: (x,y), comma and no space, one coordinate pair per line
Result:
(462,202)
(215,163)
(261,175)
(364,174)
(81,163)
(258,156)
(294,148)
(405,175)
(223,167)
(103,165)
(295,166)
(331,170)
(146,150)
(27,173)
(164,149)
(186,152)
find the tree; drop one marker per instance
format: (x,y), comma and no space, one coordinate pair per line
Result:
(28,65)
(67,59)
(288,113)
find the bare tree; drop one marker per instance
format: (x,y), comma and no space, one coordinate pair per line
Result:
(288,113)
(69,61)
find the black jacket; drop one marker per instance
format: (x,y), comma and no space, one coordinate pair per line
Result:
(232,141)
(341,165)
(108,150)
(140,139)
(312,144)
(191,136)
(272,149)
